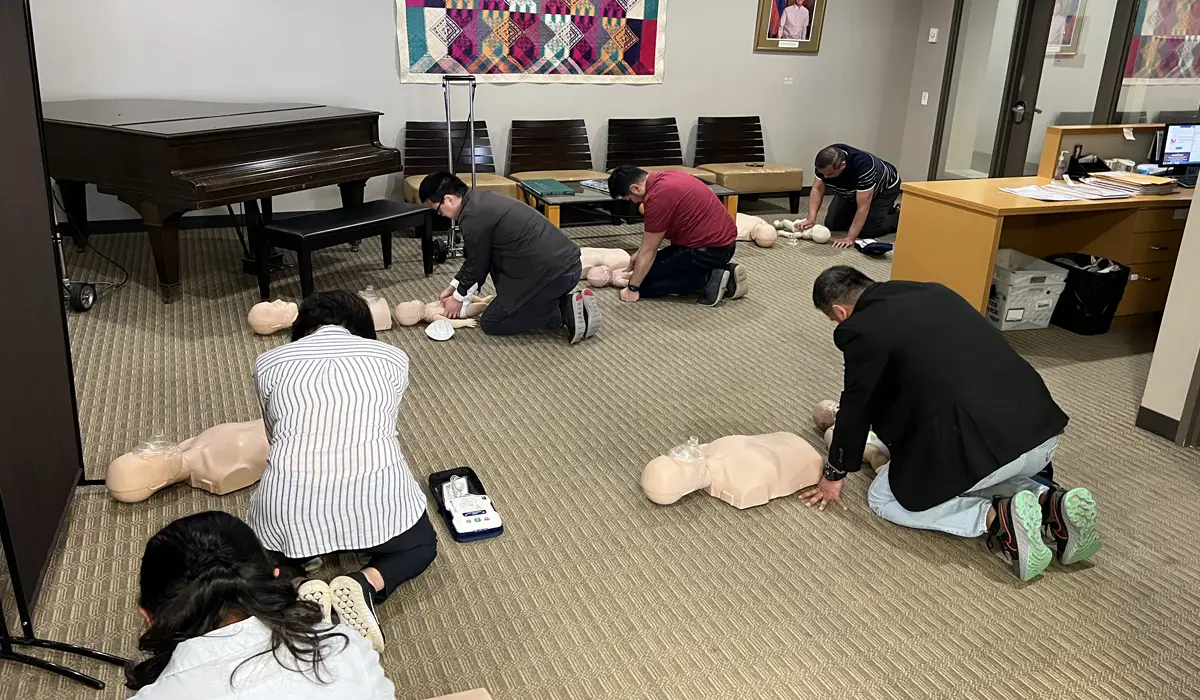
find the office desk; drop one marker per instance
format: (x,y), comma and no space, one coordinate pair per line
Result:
(950,232)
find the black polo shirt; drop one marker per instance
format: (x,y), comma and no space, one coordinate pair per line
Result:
(864,171)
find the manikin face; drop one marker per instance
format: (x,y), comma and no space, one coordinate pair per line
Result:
(832,170)
(271,316)
(637,192)
(450,206)
(666,480)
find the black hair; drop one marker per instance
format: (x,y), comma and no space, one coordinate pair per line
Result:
(840,284)
(336,308)
(830,156)
(622,178)
(205,570)
(437,185)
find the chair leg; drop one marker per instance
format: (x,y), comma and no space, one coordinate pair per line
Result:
(262,254)
(425,231)
(304,259)
(794,202)
(385,240)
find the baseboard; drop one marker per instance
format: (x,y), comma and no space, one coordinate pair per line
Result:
(1157,423)
(106,226)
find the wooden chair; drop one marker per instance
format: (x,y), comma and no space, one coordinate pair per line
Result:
(732,149)
(550,149)
(425,153)
(651,144)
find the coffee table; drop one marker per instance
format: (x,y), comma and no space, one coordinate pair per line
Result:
(551,206)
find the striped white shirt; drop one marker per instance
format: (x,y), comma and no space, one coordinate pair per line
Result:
(335,479)
(864,171)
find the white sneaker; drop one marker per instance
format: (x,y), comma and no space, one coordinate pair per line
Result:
(318,592)
(356,607)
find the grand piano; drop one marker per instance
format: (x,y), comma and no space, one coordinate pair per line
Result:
(167,157)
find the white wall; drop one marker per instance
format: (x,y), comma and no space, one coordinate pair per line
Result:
(929,61)
(343,52)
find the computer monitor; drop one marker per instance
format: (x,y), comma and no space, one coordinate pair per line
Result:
(1181,146)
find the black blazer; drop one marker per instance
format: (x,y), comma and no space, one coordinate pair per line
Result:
(940,387)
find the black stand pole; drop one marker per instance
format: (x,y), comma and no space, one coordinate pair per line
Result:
(28,638)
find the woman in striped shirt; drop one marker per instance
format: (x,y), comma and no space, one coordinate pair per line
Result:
(336,479)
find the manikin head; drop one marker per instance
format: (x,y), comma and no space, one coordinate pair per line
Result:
(267,317)
(824,414)
(207,571)
(667,479)
(600,276)
(764,235)
(836,291)
(831,161)
(409,313)
(443,192)
(335,308)
(628,182)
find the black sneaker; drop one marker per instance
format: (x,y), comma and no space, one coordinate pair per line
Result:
(1016,534)
(354,601)
(715,288)
(571,306)
(1069,518)
(738,283)
(593,319)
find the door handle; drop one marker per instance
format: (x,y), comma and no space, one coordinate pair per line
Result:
(1151,279)
(1159,247)
(1018,111)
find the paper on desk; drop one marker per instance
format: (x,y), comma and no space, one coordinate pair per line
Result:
(1128,133)
(1041,193)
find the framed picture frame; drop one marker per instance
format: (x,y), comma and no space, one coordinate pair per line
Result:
(1066,28)
(789,26)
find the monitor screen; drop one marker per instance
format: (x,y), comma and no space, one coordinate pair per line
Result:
(1182,145)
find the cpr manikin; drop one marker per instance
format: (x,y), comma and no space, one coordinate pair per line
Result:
(612,258)
(824,414)
(381,311)
(753,228)
(267,317)
(410,313)
(742,470)
(791,229)
(220,460)
(603,276)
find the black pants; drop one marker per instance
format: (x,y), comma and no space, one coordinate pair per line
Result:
(541,313)
(401,558)
(678,270)
(882,218)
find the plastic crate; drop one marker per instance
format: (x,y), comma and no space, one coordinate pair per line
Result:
(1015,267)
(1018,307)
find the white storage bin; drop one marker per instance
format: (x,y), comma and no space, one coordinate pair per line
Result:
(1015,267)
(1018,307)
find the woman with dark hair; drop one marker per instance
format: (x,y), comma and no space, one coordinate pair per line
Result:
(336,480)
(221,623)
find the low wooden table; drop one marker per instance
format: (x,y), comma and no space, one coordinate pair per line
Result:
(551,206)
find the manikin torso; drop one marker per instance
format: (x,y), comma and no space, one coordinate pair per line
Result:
(221,460)
(742,470)
(381,310)
(267,317)
(612,258)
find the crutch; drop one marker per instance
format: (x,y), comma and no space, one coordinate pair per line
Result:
(454,238)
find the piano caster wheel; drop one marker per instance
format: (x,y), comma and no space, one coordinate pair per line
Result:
(81,296)
(441,250)
(354,247)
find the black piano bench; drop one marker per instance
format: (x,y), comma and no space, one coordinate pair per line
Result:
(308,232)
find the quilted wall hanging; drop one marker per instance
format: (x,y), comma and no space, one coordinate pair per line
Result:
(1166,45)
(532,41)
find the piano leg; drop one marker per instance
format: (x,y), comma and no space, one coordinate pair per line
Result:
(74,201)
(164,242)
(352,195)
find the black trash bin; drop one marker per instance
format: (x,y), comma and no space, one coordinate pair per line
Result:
(1094,289)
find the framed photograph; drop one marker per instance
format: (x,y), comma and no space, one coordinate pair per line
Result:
(1065,28)
(789,26)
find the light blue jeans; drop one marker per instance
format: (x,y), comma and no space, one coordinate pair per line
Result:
(965,515)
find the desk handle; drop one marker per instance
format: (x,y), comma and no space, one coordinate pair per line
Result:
(1160,247)
(1151,279)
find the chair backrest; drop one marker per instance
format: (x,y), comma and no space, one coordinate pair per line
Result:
(548,144)
(425,148)
(729,140)
(643,142)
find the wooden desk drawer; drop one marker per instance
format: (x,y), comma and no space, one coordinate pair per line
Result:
(1147,293)
(1159,246)
(1160,220)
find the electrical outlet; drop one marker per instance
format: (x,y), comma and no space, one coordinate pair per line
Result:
(924,98)
(788,80)
(933,32)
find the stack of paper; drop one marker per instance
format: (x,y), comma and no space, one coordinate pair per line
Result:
(1134,183)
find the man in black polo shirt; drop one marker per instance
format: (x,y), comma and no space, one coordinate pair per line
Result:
(864,188)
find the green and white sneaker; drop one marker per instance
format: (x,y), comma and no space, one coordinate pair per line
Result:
(1016,535)
(1069,518)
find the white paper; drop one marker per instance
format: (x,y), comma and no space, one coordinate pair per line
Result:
(1040,193)
(1128,133)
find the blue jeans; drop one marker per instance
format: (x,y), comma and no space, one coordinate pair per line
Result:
(965,515)
(679,270)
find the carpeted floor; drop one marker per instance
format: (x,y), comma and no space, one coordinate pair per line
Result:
(594,592)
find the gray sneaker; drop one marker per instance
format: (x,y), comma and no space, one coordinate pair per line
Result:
(574,319)
(739,284)
(1016,534)
(593,319)
(1069,518)
(715,288)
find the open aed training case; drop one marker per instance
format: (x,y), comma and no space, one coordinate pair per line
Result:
(474,488)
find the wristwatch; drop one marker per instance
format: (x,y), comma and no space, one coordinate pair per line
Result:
(634,288)
(832,473)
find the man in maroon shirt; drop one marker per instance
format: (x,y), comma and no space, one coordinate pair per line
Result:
(682,209)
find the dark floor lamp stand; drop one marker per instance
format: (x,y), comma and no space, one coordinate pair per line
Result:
(8,642)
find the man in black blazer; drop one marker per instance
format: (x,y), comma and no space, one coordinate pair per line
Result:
(967,422)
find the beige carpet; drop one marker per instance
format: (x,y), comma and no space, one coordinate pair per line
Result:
(594,592)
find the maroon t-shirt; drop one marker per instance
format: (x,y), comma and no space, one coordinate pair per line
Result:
(684,208)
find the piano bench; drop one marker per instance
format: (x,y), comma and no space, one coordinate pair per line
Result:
(309,232)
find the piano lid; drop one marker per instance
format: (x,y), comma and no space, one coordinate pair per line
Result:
(178,117)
